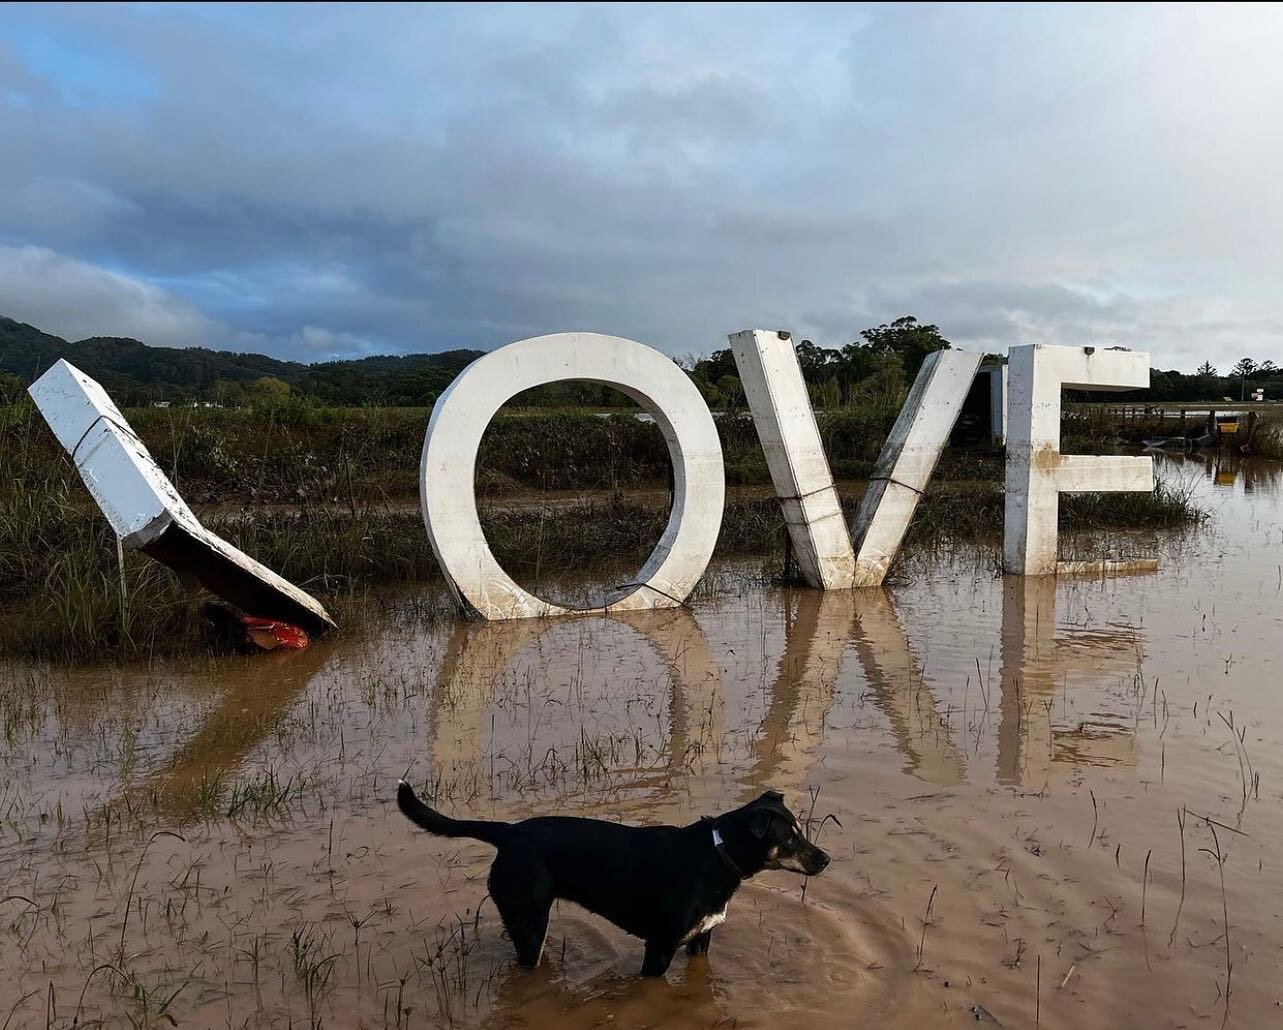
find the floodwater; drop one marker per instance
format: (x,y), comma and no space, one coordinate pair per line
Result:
(1054,803)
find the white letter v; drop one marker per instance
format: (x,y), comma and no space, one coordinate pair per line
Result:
(790,438)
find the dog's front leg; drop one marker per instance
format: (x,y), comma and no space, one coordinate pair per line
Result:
(699,944)
(659,956)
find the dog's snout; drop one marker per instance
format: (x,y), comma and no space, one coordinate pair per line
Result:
(819,861)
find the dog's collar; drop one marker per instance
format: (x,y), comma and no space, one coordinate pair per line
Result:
(719,846)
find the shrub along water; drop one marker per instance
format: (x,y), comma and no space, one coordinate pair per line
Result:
(1268,441)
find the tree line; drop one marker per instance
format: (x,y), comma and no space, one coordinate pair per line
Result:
(874,368)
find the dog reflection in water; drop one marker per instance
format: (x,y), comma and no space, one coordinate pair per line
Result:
(668,885)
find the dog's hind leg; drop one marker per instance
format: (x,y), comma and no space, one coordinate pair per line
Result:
(700,943)
(658,957)
(522,892)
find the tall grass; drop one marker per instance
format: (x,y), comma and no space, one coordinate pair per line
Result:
(1268,441)
(341,455)
(60,581)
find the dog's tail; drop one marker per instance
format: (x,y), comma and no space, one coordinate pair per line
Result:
(442,825)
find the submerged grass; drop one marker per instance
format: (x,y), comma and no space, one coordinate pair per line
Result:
(70,606)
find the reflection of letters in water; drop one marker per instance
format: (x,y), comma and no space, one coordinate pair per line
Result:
(820,628)
(235,725)
(479,656)
(899,688)
(1037,660)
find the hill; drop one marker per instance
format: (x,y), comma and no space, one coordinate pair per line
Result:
(881,362)
(135,373)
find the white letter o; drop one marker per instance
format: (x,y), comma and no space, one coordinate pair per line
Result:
(448,471)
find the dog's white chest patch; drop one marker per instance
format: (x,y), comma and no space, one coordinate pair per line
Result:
(706,924)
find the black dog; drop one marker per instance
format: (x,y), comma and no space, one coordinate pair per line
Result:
(668,885)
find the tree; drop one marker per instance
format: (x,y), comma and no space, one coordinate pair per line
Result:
(884,385)
(907,339)
(816,362)
(227,392)
(1243,369)
(718,364)
(269,391)
(1206,369)
(732,391)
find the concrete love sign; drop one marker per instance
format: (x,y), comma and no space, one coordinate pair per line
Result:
(148,514)
(831,556)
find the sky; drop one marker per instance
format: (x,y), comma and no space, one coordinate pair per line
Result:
(332,182)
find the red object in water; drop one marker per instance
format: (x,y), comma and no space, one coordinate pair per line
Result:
(271,635)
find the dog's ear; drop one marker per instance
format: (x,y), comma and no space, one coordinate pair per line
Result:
(771,797)
(760,824)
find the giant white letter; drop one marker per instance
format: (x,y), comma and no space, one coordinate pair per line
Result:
(781,407)
(1037,473)
(786,425)
(448,470)
(907,460)
(146,511)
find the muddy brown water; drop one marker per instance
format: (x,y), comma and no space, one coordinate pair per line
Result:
(1008,763)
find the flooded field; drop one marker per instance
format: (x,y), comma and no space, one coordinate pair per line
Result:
(1054,803)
